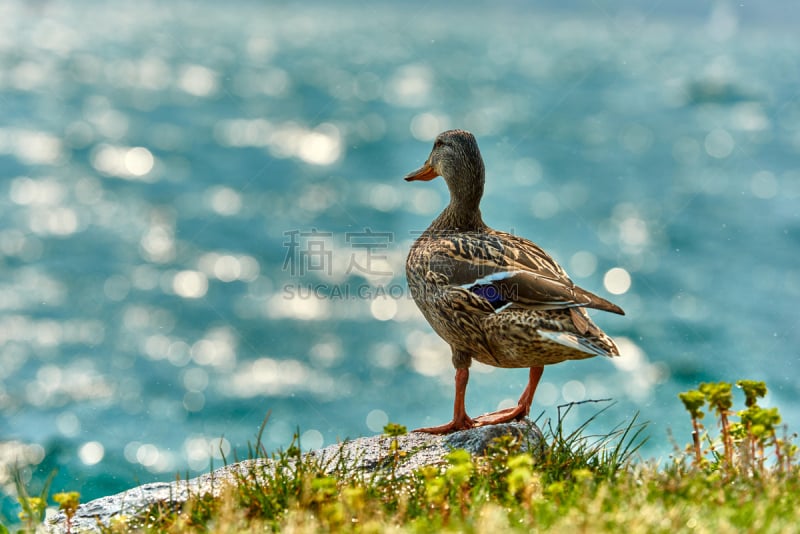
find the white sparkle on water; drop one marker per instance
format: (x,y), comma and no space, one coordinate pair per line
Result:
(617,281)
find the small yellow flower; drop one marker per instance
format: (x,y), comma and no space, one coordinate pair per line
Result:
(68,501)
(32,509)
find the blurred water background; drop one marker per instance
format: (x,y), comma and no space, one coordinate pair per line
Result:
(203,218)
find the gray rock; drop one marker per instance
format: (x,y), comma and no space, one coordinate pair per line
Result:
(369,455)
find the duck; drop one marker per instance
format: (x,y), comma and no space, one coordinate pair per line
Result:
(494,297)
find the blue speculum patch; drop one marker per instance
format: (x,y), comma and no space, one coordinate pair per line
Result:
(490,293)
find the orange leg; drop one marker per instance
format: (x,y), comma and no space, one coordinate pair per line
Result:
(461,420)
(523,407)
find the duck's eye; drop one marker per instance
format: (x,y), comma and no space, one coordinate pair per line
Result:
(438,143)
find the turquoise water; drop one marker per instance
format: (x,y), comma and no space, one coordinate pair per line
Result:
(203,218)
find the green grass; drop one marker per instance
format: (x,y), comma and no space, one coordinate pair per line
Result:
(744,478)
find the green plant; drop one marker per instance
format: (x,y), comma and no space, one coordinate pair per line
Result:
(693,401)
(575,481)
(33,507)
(68,503)
(720,399)
(744,441)
(603,454)
(299,492)
(394,430)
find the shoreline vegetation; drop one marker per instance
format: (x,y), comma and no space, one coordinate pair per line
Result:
(738,473)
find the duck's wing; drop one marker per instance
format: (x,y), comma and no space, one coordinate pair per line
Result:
(508,270)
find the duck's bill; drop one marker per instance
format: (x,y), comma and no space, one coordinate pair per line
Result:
(425,173)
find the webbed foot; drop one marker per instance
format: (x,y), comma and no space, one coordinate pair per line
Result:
(453,426)
(502,416)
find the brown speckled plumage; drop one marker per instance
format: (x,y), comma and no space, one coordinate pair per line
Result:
(494,297)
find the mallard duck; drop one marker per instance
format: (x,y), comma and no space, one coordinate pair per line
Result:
(492,296)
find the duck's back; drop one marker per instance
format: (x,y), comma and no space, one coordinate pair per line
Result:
(503,298)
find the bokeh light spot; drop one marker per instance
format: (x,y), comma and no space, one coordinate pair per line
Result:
(195,379)
(138,161)
(544,205)
(410,86)
(719,143)
(193,401)
(147,454)
(426,126)
(376,420)
(527,171)
(311,439)
(617,281)
(91,452)
(583,264)
(227,268)
(322,146)
(384,197)
(198,80)
(383,309)
(764,185)
(573,391)
(225,201)
(547,394)
(68,424)
(190,284)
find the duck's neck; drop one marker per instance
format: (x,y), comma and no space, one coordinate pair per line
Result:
(463,213)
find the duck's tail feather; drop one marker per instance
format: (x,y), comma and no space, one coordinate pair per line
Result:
(590,300)
(601,346)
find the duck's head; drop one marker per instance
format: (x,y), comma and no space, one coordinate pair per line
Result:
(456,158)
